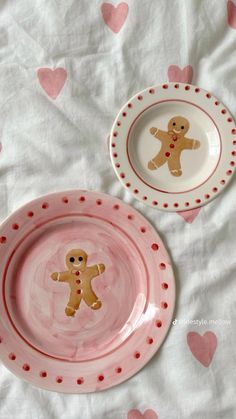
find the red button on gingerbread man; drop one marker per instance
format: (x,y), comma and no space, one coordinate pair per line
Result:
(79,277)
(173,143)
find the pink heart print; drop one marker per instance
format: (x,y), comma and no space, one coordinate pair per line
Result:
(136,414)
(115,16)
(231,9)
(177,74)
(202,347)
(190,215)
(52,81)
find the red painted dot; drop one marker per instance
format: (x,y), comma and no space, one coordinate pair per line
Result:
(233,153)
(154,202)
(45,205)
(162,266)
(78,291)
(116,206)
(222,182)
(229,120)
(167,154)
(207,196)
(0,339)
(158,323)
(130,217)
(217,103)
(144,198)
(186,204)
(115,155)
(12,356)
(165,205)
(115,134)
(113,145)
(187,87)
(164,305)
(152,91)
(164,285)
(232,163)
(99,202)
(198,201)
(30,214)
(118,165)
(65,200)
(172,146)
(154,247)
(118,123)
(176,204)
(215,189)
(129,105)
(135,190)
(234,142)
(149,340)
(137,355)
(124,114)
(78,281)
(43,374)
(3,239)
(118,370)
(223,111)
(143,230)
(15,226)
(122,175)
(26,367)
(128,184)
(59,380)
(165,86)
(233,131)
(176,86)
(140,97)
(208,95)
(82,198)
(80,381)
(100,377)
(229,172)
(197,90)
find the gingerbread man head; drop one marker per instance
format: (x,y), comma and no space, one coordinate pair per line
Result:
(76,259)
(178,125)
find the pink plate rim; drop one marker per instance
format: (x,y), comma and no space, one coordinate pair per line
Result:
(147,336)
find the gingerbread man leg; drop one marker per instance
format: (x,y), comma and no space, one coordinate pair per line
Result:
(157,161)
(92,300)
(174,165)
(73,305)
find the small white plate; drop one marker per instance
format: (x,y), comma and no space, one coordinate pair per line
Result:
(174,146)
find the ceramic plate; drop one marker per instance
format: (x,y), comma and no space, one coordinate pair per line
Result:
(173,146)
(87,292)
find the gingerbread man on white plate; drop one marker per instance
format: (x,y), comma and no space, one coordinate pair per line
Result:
(173,143)
(79,276)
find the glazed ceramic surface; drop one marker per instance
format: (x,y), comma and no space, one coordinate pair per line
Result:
(173,146)
(102,259)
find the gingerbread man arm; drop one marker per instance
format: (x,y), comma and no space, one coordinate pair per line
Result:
(159,134)
(190,144)
(60,276)
(96,270)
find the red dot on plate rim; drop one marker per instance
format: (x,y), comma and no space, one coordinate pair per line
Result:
(3,239)
(186,204)
(82,198)
(116,206)
(130,105)
(229,172)
(65,200)
(197,90)
(118,123)
(145,198)
(154,247)
(232,163)
(233,131)
(158,323)
(233,153)
(217,102)
(208,95)
(143,230)
(130,217)
(115,134)
(115,155)
(59,380)
(26,367)
(124,114)
(43,374)
(162,266)
(198,201)
(118,370)
(154,203)
(207,196)
(223,111)
(164,304)
(164,285)
(118,165)
(151,91)
(12,356)
(165,86)
(140,97)
(136,191)
(122,175)
(230,120)
(99,202)
(187,87)
(176,86)
(222,182)
(15,226)
(137,355)
(80,380)
(30,214)
(176,204)
(165,205)
(214,189)
(100,377)
(149,340)
(45,205)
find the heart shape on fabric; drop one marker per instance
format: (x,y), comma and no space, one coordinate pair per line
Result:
(202,347)
(52,81)
(177,74)
(136,414)
(231,9)
(115,16)
(190,215)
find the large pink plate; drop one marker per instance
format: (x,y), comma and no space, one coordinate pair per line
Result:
(122,318)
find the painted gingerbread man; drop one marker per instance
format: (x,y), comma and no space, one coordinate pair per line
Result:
(173,143)
(79,277)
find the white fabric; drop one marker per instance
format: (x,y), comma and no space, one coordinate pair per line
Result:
(50,145)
